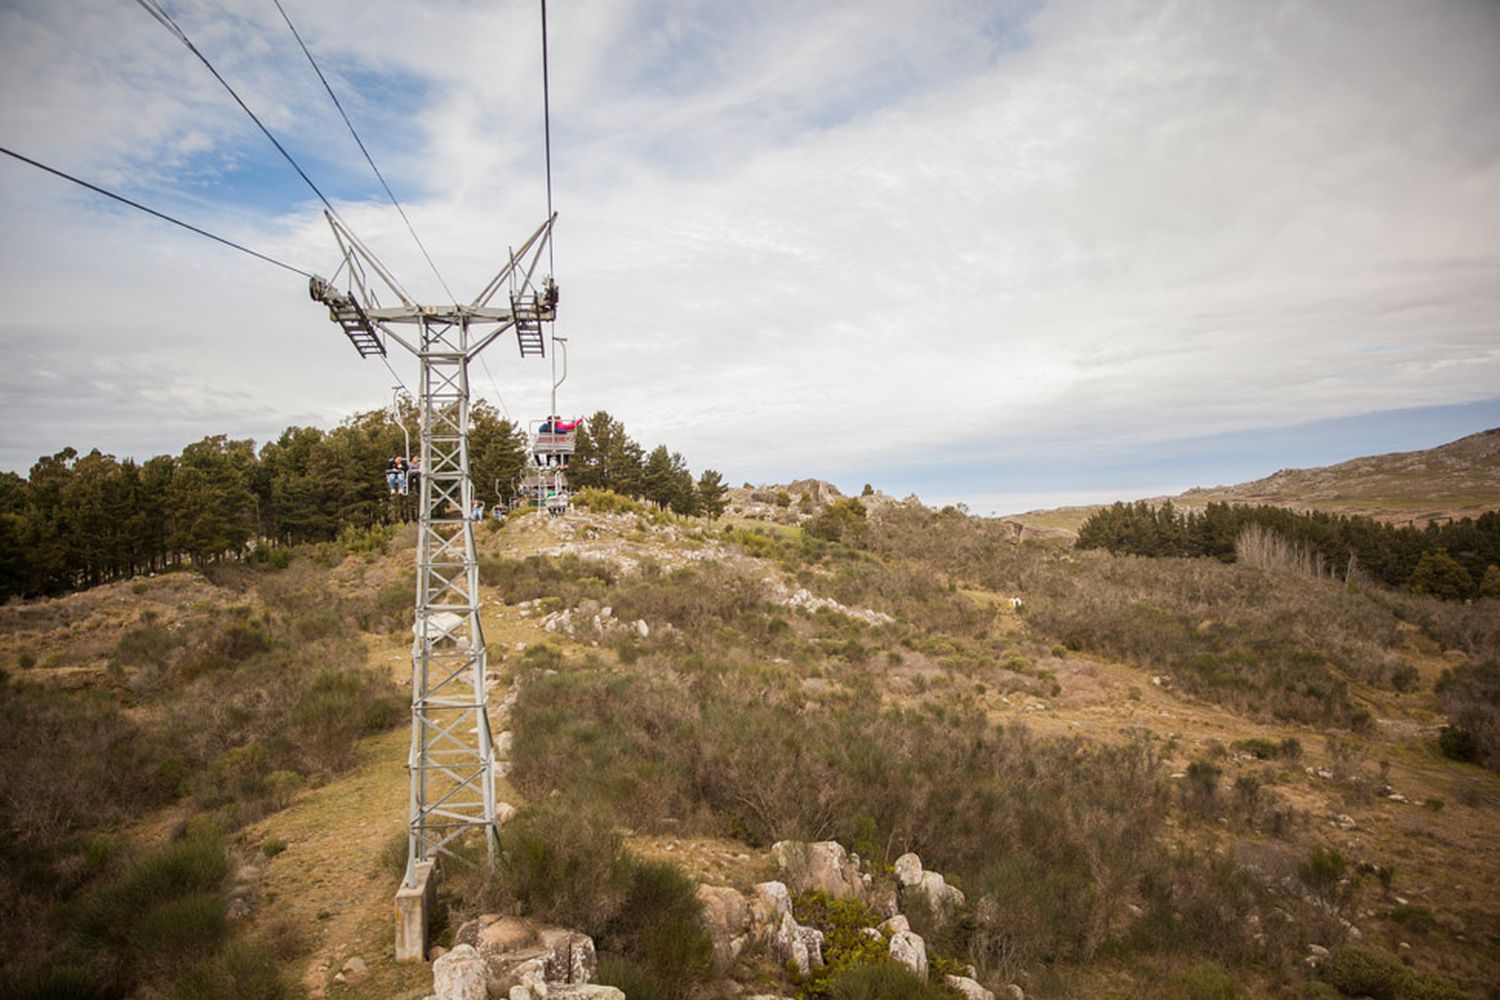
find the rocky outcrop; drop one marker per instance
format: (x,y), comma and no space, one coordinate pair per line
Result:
(823,866)
(925,889)
(969,988)
(772,923)
(521,959)
(908,948)
(460,975)
(726,915)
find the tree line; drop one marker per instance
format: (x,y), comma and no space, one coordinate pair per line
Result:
(81,520)
(1456,559)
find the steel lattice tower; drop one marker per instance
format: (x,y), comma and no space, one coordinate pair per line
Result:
(451,762)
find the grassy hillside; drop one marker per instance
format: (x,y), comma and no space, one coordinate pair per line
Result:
(1153,778)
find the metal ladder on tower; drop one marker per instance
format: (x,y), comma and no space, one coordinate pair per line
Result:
(346,311)
(528,312)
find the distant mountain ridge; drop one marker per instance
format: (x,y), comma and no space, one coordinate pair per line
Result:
(1454,480)
(1458,479)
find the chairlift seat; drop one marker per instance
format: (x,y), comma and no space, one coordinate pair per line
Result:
(555,443)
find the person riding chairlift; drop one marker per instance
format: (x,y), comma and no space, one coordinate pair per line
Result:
(557,425)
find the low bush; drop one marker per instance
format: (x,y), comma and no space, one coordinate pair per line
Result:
(845,945)
(1370,972)
(560,863)
(883,980)
(243,971)
(1205,982)
(1470,697)
(56,982)
(1326,872)
(630,977)
(659,931)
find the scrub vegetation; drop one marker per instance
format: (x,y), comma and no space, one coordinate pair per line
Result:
(1150,775)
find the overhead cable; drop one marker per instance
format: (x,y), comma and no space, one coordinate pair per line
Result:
(547,135)
(151,211)
(496,386)
(368,159)
(388,368)
(154,8)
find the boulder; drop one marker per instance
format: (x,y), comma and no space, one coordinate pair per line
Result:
(726,915)
(908,870)
(518,952)
(770,900)
(969,988)
(896,925)
(460,975)
(824,866)
(584,991)
(355,970)
(910,950)
(772,923)
(939,893)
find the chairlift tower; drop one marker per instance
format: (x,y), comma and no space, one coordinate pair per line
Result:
(451,763)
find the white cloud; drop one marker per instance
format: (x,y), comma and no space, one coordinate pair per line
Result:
(794,238)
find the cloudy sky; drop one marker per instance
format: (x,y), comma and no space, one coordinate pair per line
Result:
(1008,253)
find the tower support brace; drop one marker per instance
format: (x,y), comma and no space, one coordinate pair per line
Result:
(451,763)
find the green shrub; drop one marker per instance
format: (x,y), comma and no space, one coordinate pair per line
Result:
(659,929)
(1200,792)
(241,972)
(26,659)
(177,928)
(1258,747)
(273,847)
(1365,971)
(560,862)
(56,982)
(1458,744)
(845,944)
(1375,973)
(629,976)
(1417,919)
(1323,868)
(883,980)
(607,502)
(1204,982)
(189,868)
(1405,678)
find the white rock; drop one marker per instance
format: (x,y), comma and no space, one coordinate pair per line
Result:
(908,869)
(896,925)
(355,970)
(824,866)
(969,988)
(910,950)
(460,975)
(641,628)
(775,896)
(583,991)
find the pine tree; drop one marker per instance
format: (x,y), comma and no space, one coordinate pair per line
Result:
(712,494)
(1440,575)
